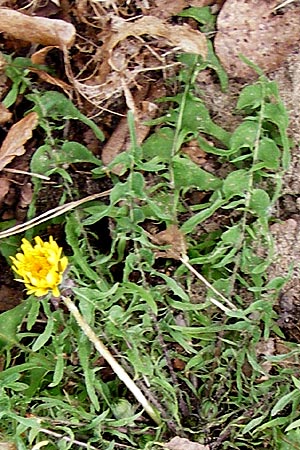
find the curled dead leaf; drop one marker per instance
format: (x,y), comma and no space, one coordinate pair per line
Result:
(173,237)
(5,114)
(39,30)
(39,58)
(52,80)
(183,37)
(250,28)
(19,133)
(4,187)
(192,149)
(26,195)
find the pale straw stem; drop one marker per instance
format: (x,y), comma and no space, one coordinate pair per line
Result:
(116,367)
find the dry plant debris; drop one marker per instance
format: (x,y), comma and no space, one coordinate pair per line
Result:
(18,135)
(39,30)
(118,54)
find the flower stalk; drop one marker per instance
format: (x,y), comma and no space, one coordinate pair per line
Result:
(41,267)
(116,367)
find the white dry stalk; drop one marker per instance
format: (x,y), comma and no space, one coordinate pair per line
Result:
(24,172)
(287,2)
(116,367)
(232,307)
(48,215)
(63,438)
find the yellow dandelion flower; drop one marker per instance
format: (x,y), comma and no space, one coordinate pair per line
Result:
(40,266)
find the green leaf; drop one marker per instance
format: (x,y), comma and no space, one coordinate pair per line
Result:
(213,62)
(276,113)
(10,245)
(159,145)
(236,183)
(59,369)
(12,95)
(269,153)
(119,192)
(187,174)
(196,118)
(137,185)
(251,96)
(276,283)
(18,387)
(87,303)
(10,321)
(17,71)
(56,106)
(73,231)
(96,213)
(47,158)
(284,401)
(33,313)
(45,336)
(143,293)
(123,409)
(232,235)
(175,287)
(84,351)
(260,203)
(73,152)
(191,223)
(253,424)
(292,426)
(244,135)
(296,382)
(202,15)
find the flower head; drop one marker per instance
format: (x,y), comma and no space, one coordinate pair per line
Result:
(40,266)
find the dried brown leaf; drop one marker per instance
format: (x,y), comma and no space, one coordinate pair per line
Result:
(165,8)
(39,30)
(5,114)
(248,27)
(266,348)
(4,187)
(197,155)
(173,237)
(52,80)
(26,195)
(183,37)
(39,58)
(178,443)
(19,133)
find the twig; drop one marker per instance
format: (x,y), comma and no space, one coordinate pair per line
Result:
(74,441)
(66,438)
(24,172)
(55,212)
(232,307)
(287,2)
(116,367)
